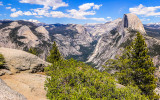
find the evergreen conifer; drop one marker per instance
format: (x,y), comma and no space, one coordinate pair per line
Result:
(135,67)
(54,54)
(142,66)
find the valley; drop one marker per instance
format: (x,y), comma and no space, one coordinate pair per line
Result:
(93,44)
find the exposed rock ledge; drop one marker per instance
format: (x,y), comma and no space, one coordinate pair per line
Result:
(28,84)
(17,60)
(6,93)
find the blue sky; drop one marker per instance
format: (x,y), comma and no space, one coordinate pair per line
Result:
(79,11)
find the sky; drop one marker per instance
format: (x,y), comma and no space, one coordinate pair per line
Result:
(79,11)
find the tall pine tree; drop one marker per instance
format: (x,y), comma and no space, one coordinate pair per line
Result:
(54,54)
(143,66)
(135,67)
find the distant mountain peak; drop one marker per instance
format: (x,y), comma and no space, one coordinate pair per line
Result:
(133,22)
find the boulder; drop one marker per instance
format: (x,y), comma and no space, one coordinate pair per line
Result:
(17,60)
(5,72)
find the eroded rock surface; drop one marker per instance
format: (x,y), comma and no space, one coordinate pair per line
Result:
(6,93)
(17,60)
(29,85)
(113,43)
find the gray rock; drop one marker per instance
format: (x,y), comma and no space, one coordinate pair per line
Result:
(6,93)
(17,60)
(4,72)
(73,36)
(22,35)
(110,44)
(29,37)
(97,30)
(133,22)
(43,31)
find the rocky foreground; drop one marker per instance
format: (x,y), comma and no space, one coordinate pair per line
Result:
(18,80)
(28,86)
(6,93)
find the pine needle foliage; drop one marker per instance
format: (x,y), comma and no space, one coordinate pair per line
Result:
(143,66)
(135,67)
(54,54)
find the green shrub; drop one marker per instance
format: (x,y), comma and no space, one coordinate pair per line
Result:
(2,61)
(72,80)
(33,51)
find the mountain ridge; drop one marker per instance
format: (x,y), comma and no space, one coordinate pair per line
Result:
(74,40)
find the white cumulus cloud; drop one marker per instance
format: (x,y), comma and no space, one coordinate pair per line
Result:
(41,12)
(88,6)
(97,6)
(47,3)
(12,9)
(28,13)
(147,11)
(78,14)
(84,10)
(16,14)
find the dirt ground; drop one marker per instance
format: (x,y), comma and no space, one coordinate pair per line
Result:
(30,85)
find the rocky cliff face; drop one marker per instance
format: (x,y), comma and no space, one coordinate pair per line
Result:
(153,30)
(97,30)
(73,40)
(112,43)
(29,38)
(23,35)
(78,41)
(133,22)
(44,32)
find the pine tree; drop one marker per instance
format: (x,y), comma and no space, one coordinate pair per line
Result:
(135,67)
(143,66)
(54,54)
